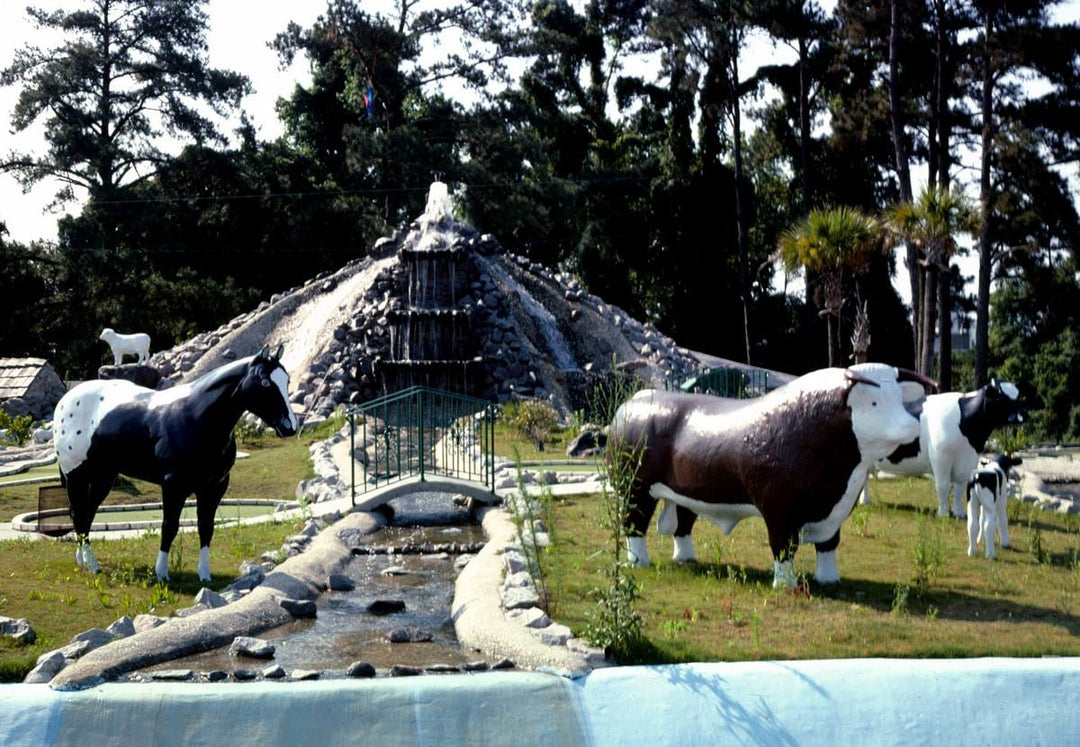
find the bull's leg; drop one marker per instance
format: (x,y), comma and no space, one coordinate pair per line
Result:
(642,506)
(172,504)
(208,500)
(826,571)
(684,545)
(783,542)
(973,523)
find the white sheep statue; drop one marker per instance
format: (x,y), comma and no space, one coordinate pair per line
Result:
(137,344)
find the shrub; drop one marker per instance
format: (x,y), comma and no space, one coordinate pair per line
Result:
(19,428)
(533,419)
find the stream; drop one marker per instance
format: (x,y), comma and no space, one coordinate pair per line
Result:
(344,631)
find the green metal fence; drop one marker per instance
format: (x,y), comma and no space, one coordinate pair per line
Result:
(736,383)
(421,431)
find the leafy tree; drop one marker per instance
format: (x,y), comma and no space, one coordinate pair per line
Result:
(931,224)
(128,73)
(1017,40)
(831,242)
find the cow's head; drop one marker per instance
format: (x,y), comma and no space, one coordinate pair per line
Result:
(1001,402)
(876,396)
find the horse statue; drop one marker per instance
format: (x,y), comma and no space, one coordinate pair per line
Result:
(179,438)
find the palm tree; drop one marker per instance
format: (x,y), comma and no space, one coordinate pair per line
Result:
(932,222)
(831,242)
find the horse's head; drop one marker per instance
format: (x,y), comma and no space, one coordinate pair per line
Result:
(265,392)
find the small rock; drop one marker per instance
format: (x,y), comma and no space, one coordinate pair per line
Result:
(340,582)
(555,634)
(530,617)
(519,580)
(273,672)
(386,606)
(242,675)
(216,675)
(48,665)
(400,670)
(122,628)
(502,664)
(256,648)
(300,608)
(476,666)
(408,635)
(304,674)
(520,598)
(442,669)
(210,599)
(396,570)
(360,669)
(172,675)
(18,629)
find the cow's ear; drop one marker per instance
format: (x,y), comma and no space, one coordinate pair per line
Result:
(264,354)
(912,391)
(278,352)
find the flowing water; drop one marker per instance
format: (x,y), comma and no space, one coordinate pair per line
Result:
(545,321)
(344,631)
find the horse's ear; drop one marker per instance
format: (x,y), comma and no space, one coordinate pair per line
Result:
(264,353)
(278,352)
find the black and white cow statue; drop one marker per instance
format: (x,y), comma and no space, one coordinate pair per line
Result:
(179,438)
(987,498)
(953,430)
(797,457)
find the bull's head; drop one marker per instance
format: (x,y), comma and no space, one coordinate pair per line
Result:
(876,396)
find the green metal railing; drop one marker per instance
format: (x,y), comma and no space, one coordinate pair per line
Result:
(736,383)
(422,431)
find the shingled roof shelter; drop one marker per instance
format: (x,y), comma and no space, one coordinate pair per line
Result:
(29,386)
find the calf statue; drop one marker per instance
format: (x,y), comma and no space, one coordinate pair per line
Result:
(953,429)
(987,496)
(797,457)
(137,344)
(179,438)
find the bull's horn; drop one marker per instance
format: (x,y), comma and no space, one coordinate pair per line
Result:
(858,378)
(906,374)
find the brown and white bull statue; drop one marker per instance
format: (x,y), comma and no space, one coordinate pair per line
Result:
(797,457)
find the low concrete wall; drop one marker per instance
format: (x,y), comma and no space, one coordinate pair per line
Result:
(861,701)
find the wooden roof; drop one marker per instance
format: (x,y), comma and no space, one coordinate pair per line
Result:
(17,374)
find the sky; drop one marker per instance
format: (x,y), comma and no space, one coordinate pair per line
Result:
(237,40)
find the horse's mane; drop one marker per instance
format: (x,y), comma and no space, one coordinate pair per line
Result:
(223,375)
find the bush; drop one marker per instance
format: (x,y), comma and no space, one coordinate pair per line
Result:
(19,428)
(532,419)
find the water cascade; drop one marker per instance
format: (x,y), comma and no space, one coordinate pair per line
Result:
(431,341)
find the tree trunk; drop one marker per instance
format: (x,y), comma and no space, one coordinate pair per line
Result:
(926,358)
(903,171)
(804,128)
(830,323)
(945,329)
(740,219)
(941,93)
(986,201)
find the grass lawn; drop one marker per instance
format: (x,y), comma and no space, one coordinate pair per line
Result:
(1026,603)
(39,579)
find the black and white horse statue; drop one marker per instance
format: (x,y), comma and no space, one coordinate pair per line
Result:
(179,438)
